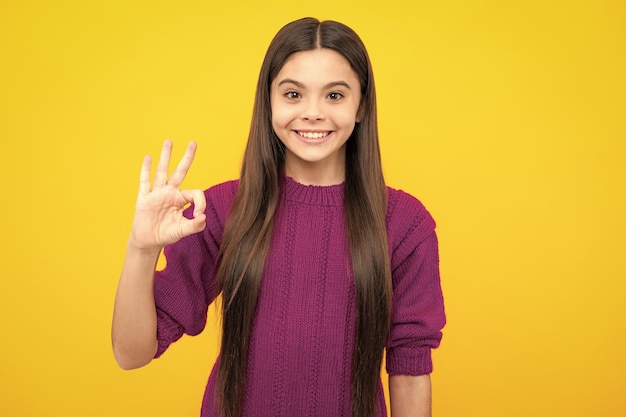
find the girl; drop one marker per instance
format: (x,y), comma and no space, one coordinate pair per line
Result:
(320,266)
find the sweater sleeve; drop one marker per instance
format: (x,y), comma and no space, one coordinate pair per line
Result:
(418,314)
(184,289)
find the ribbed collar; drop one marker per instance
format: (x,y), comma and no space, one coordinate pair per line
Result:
(325,195)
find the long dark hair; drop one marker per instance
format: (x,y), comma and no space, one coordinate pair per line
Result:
(246,238)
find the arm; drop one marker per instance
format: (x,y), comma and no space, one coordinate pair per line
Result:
(418,314)
(133,332)
(410,396)
(158,222)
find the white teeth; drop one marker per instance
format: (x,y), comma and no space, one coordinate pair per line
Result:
(313,135)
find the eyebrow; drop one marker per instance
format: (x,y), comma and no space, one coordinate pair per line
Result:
(329,85)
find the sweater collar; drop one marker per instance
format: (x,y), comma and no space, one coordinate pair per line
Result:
(326,195)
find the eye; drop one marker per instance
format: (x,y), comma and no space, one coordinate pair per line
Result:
(293,95)
(335,95)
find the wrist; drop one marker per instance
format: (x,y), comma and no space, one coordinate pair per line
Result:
(133,248)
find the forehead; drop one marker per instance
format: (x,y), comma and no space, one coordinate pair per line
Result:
(317,66)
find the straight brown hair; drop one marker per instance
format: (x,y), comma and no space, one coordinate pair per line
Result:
(248,231)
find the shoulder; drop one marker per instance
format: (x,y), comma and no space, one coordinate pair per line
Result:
(220,197)
(223,191)
(407,218)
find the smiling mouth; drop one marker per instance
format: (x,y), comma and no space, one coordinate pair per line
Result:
(313,135)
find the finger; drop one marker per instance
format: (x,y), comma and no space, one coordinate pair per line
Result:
(183,166)
(198,222)
(160,176)
(191,226)
(199,208)
(197,198)
(144,176)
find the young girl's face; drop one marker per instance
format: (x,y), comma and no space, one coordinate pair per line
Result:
(315,101)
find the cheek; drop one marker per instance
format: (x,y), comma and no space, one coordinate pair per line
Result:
(347,117)
(280,115)
(280,122)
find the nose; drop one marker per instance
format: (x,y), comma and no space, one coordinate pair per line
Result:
(312,111)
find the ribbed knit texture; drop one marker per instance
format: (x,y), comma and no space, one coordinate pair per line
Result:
(302,341)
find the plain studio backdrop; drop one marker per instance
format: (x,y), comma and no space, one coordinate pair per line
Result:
(506,118)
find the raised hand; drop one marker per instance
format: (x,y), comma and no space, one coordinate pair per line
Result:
(159,219)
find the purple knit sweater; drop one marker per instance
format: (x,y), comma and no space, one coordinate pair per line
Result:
(302,340)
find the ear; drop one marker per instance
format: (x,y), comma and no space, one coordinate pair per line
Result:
(359,112)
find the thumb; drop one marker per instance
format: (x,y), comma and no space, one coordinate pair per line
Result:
(194,225)
(197,223)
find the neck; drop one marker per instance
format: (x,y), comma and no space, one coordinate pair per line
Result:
(312,176)
(326,172)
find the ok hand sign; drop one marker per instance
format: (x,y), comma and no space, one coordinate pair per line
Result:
(159,219)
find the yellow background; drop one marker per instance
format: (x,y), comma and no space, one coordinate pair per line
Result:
(507,119)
